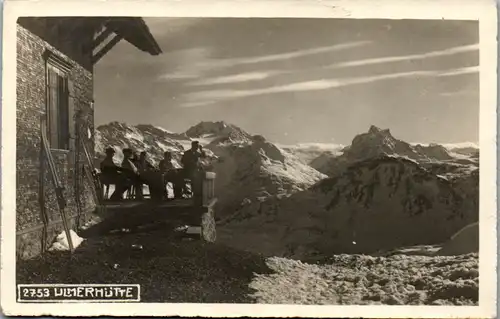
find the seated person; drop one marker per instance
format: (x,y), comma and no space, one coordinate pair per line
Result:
(128,165)
(110,172)
(166,164)
(170,174)
(142,176)
(135,159)
(130,174)
(143,164)
(108,166)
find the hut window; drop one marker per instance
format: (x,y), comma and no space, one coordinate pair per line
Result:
(58,106)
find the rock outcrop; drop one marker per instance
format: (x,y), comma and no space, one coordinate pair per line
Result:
(218,133)
(380,142)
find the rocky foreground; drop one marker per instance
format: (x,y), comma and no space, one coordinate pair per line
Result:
(171,268)
(362,280)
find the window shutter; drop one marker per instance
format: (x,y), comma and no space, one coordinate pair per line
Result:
(64,118)
(72,123)
(52,109)
(60,106)
(71,114)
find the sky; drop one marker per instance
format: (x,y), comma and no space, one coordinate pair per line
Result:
(299,80)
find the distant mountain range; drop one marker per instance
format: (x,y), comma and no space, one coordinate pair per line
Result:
(378,142)
(301,200)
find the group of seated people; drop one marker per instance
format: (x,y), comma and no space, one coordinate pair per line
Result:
(136,170)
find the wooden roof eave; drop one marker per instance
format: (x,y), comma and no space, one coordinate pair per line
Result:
(136,32)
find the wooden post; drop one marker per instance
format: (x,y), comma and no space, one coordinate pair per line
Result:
(197,187)
(208,187)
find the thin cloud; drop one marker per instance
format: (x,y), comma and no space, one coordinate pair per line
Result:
(294,87)
(245,77)
(192,104)
(460,71)
(210,97)
(191,63)
(458,93)
(195,63)
(447,52)
(301,53)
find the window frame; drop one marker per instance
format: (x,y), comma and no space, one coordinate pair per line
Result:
(56,64)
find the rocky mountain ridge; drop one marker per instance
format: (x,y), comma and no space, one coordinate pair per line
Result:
(377,142)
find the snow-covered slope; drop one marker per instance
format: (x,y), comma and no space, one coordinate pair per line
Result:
(307,152)
(465,241)
(457,150)
(381,203)
(256,170)
(466,148)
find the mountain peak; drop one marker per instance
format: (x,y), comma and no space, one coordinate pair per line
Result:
(114,125)
(378,131)
(374,129)
(219,132)
(375,141)
(208,127)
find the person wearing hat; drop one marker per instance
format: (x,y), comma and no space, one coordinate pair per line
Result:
(166,164)
(191,158)
(112,172)
(108,166)
(191,164)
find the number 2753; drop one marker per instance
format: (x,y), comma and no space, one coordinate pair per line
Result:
(36,292)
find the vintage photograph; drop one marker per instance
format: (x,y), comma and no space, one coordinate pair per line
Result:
(232,160)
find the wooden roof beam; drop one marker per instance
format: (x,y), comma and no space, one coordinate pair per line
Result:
(117,38)
(100,38)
